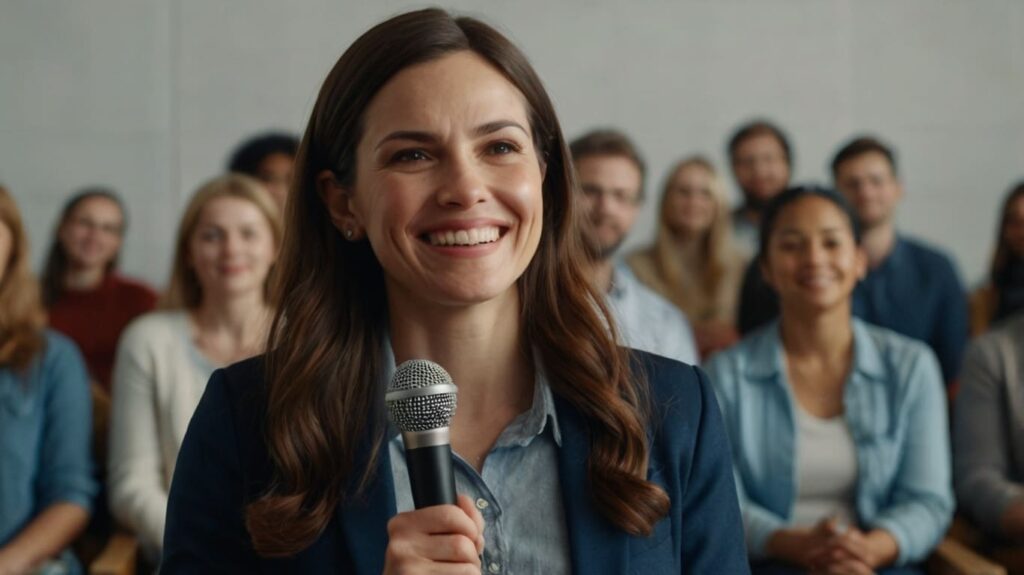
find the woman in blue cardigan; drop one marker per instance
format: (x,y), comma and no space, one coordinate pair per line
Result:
(432,217)
(839,433)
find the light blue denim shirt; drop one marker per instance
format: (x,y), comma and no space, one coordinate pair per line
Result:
(45,431)
(522,467)
(647,321)
(895,407)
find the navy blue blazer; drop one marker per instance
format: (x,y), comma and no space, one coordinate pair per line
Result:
(224,464)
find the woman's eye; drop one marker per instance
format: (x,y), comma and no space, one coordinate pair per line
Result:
(502,148)
(406,156)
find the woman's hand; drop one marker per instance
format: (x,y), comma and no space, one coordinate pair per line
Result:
(13,563)
(802,546)
(439,539)
(873,549)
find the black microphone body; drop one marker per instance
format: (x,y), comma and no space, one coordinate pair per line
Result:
(430,475)
(421,403)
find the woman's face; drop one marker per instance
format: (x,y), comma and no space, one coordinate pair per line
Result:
(275,171)
(448,183)
(231,248)
(813,260)
(91,236)
(690,205)
(1013,231)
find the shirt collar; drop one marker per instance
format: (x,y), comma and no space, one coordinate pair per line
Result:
(897,256)
(767,357)
(622,282)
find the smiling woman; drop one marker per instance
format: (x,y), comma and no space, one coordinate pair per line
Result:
(433,219)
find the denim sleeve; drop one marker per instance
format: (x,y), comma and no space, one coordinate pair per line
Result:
(982,465)
(952,329)
(66,474)
(205,530)
(712,529)
(758,523)
(921,501)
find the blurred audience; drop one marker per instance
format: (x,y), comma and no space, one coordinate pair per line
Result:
(86,298)
(216,313)
(693,262)
(988,431)
(1003,296)
(46,482)
(611,175)
(270,159)
(911,288)
(762,164)
(838,428)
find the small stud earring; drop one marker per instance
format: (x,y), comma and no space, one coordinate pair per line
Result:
(348,234)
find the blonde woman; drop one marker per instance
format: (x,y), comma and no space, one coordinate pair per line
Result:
(693,262)
(215,313)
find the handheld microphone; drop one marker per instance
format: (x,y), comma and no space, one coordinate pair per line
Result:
(421,402)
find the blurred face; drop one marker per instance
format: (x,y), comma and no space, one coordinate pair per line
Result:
(760,168)
(1013,232)
(813,260)
(611,196)
(91,236)
(870,186)
(275,172)
(448,183)
(231,248)
(690,203)
(6,247)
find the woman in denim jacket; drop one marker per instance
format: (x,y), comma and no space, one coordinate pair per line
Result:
(838,427)
(46,482)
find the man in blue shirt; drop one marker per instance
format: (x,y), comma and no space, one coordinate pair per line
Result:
(911,288)
(611,176)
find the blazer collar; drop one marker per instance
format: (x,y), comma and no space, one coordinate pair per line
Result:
(596,546)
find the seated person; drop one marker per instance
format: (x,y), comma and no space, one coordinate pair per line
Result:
(838,428)
(988,432)
(46,482)
(1003,296)
(270,158)
(693,262)
(215,313)
(86,298)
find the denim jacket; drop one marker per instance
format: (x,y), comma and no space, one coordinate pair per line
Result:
(895,408)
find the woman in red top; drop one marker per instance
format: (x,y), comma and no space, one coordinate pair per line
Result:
(87,300)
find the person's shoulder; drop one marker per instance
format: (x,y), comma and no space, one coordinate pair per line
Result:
(675,389)
(238,392)
(59,347)
(166,322)
(900,358)
(928,257)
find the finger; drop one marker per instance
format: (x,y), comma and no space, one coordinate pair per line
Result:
(469,506)
(852,546)
(849,567)
(435,520)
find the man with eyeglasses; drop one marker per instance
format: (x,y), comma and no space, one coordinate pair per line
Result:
(611,176)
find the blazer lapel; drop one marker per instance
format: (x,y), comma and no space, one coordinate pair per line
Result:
(364,521)
(596,546)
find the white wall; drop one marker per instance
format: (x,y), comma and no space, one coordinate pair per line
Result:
(150,96)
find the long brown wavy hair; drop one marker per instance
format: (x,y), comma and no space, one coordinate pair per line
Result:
(324,366)
(22,317)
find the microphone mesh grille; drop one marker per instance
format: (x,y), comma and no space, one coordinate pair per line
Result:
(421,412)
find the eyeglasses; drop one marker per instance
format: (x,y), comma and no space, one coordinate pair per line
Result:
(111,228)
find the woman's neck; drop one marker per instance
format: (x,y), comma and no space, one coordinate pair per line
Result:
(229,323)
(480,346)
(84,278)
(812,333)
(878,243)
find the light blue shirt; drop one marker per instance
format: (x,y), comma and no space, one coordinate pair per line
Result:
(517,492)
(895,406)
(647,321)
(45,431)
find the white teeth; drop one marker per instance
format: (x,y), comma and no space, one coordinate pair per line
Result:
(469,237)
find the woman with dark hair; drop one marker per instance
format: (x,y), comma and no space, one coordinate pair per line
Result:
(433,218)
(86,298)
(1004,294)
(46,483)
(270,158)
(838,428)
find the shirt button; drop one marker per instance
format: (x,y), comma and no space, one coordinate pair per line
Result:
(494,568)
(483,504)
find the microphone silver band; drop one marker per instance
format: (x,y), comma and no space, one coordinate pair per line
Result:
(428,438)
(401,394)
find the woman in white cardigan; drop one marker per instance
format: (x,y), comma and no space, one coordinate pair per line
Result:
(215,313)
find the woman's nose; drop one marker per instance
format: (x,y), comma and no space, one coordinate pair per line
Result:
(463,184)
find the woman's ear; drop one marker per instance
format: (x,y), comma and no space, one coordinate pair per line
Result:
(338,201)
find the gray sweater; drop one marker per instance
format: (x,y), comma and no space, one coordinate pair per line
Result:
(988,425)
